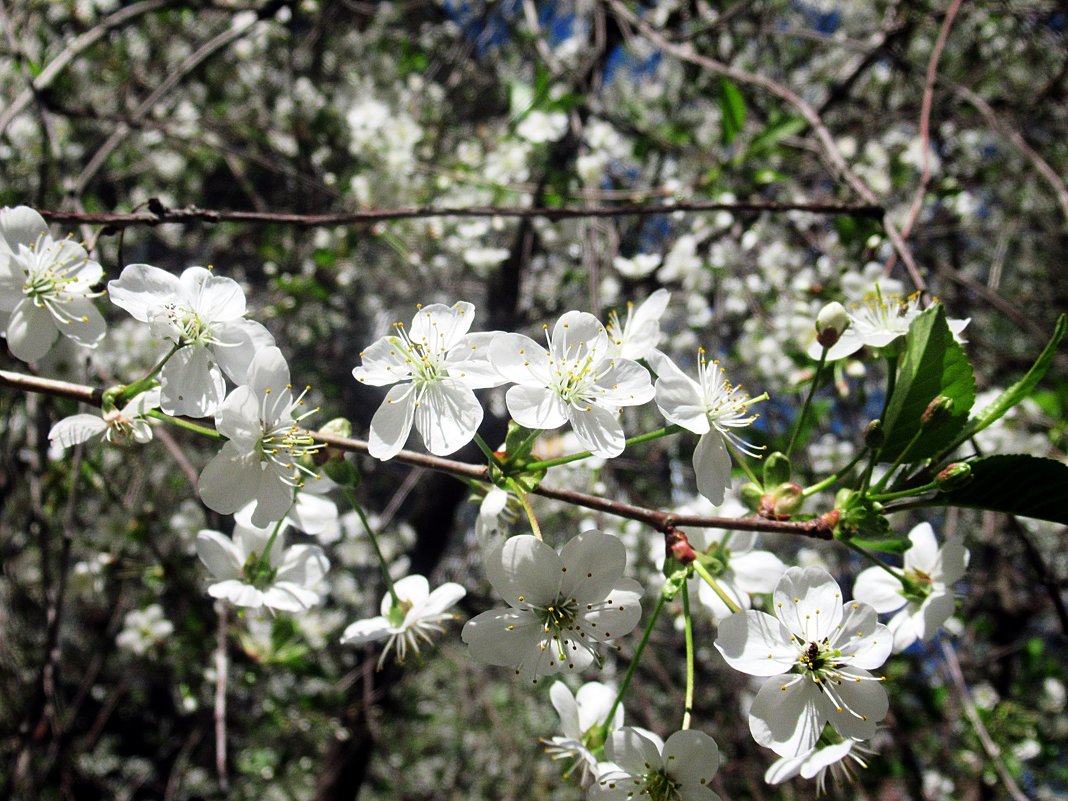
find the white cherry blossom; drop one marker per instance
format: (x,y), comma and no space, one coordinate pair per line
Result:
(561,606)
(46,287)
(818,654)
(641,765)
(142,630)
(128,424)
(582,715)
(284,579)
(710,406)
(878,321)
(639,334)
(931,572)
(421,614)
(815,763)
(263,461)
(577,380)
(435,366)
(203,314)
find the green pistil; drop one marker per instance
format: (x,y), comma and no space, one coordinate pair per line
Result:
(258,572)
(659,787)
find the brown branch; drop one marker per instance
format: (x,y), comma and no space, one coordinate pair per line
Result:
(661,521)
(158,214)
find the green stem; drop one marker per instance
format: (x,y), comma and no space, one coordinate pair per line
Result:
(186,424)
(633,666)
(702,571)
(875,560)
(525,502)
(687,621)
(808,402)
(821,485)
(488,452)
(534,467)
(351,497)
(131,391)
(740,460)
(897,462)
(893,496)
(528,443)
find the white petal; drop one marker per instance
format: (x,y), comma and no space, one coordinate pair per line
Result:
(785,767)
(470,363)
(594,701)
(954,562)
(412,588)
(848,344)
(503,637)
(862,696)
(228,481)
(625,383)
(935,611)
(691,758)
(597,428)
(447,416)
(567,708)
(385,362)
(786,715)
(678,396)
(903,628)
(215,298)
(238,418)
(711,600)
(76,429)
(440,327)
(304,565)
(219,555)
(878,588)
(862,637)
(824,757)
(634,751)
(268,372)
(712,465)
(595,562)
(142,288)
(289,597)
(578,335)
(21,225)
(238,342)
(520,359)
(87,326)
(273,496)
(315,515)
(923,555)
(237,592)
(536,407)
(809,602)
(616,616)
(190,383)
(524,571)
(392,422)
(756,571)
(756,643)
(364,631)
(444,597)
(30,332)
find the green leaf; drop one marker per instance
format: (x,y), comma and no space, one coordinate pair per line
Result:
(1022,388)
(933,364)
(731,109)
(883,546)
(1016,484)
(775,131)
(861,517)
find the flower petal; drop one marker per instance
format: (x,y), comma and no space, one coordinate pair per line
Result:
(191,384)
(21,225)
(76,429)
(216,298)
(756,643)
(392,423)
(809,602)
(86,326)
(414,589)
(384,362)
(536,407)
(635,751)
(219,555)
(691,758)
(142,288)
(862,637)
(31,332)
(786,715)
(525,571)
(444,597)
(520,360)
(594,701)
(625,383)
(364,631)
(237,343)
(712,464)
(678,396)
(863,704)
(594,562)
(880,589)
(447,416)
(439,327)
(597,428)
(228,481)
(567,708)
(756,571)
(238,593)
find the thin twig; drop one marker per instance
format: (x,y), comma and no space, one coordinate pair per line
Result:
(189,214)
(992,749)
(221,668)
(659,520)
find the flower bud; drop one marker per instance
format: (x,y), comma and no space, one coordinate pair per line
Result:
(874,436)
(751,495)
(678,546)
(954,476)
(331,460)
(831,322)
(776,469)
(938,411)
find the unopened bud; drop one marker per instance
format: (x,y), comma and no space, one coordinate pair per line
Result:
(938,411)
(331,460)
(874,436)
(776,469)
(751,495)
(826,524)
(831,323)
(954,476)
(782,502)
(678,547)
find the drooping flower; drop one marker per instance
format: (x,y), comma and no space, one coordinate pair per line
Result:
(46,286)
(827,754)
(878,321)
(435,366)
(639,334)
(283,579)
(924,598)
(129,424)
(421,614)
(204,315)
(711,407)
(263,461)
(582,718)
(562,606)
(818,654)
(576,380)
(641,765)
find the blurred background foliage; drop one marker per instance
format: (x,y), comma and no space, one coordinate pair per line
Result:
(309,106)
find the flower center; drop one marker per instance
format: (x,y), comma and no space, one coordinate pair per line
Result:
(424,360)
(573,370)
(660,787)
(258,572)
(881,314)
(284,445)
(50,277)
(182,324)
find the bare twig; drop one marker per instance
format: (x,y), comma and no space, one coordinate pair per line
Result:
(189,214)
(965,697)
(221,668)
(661,521)
(925,126)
